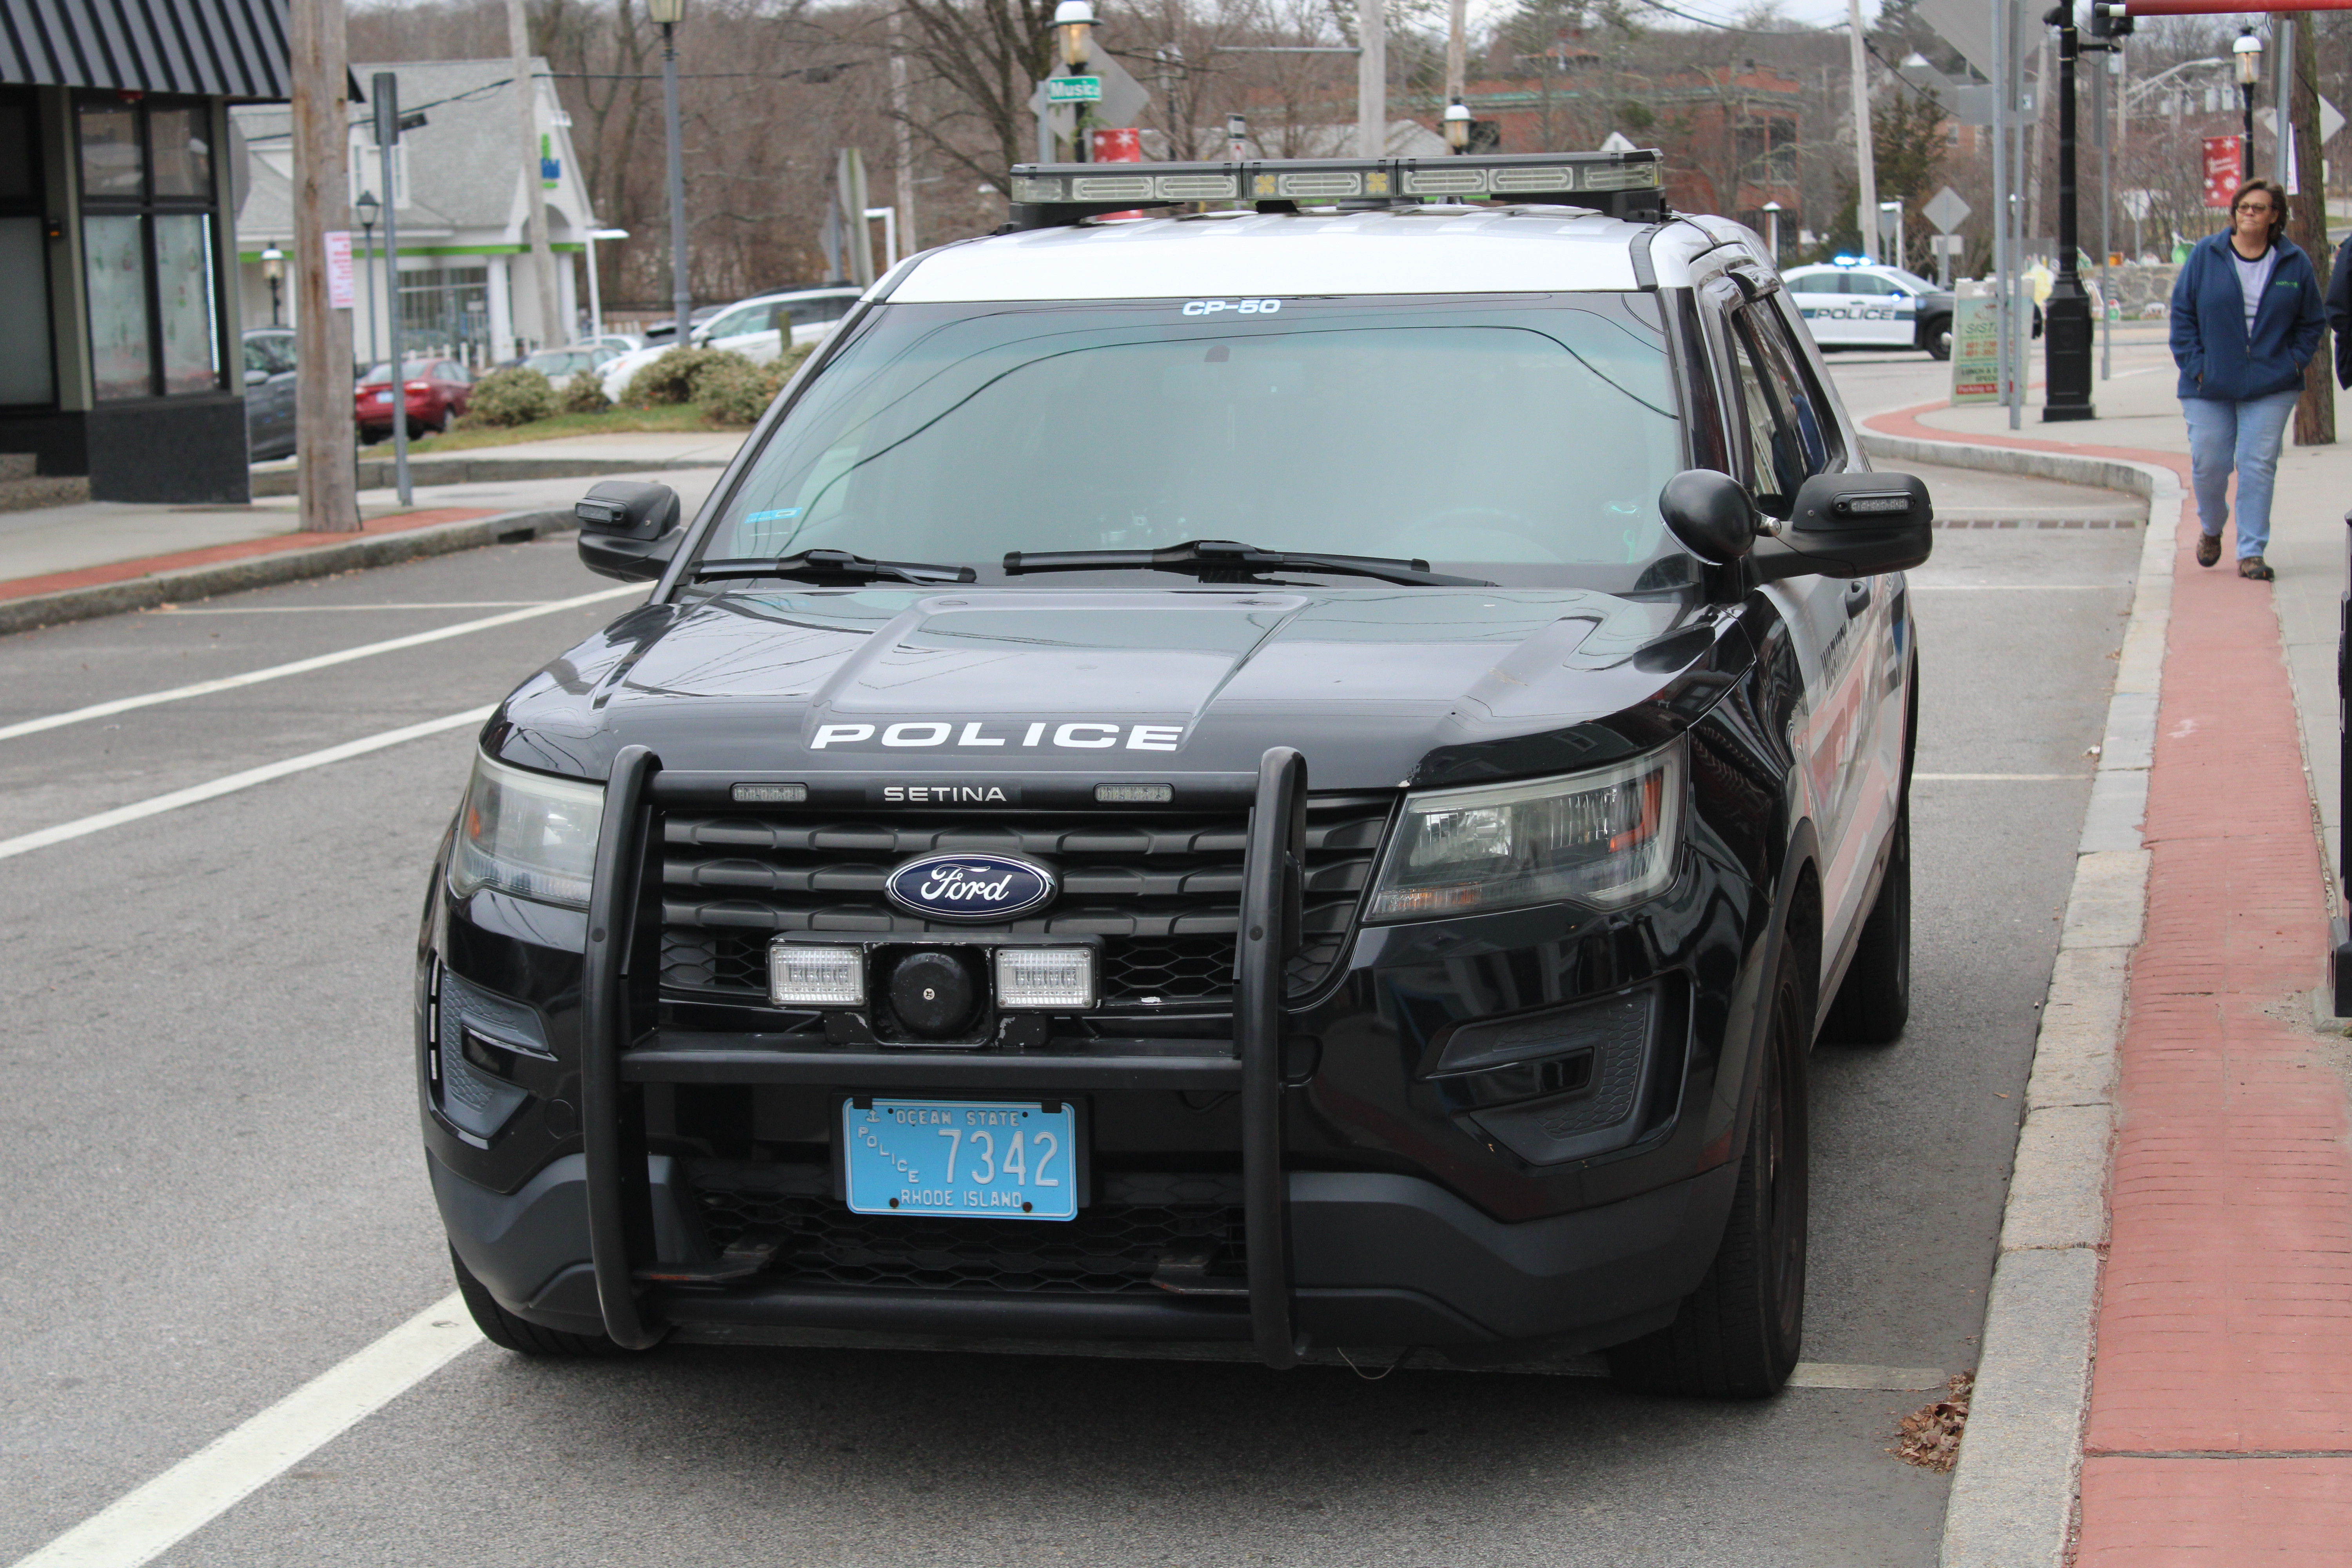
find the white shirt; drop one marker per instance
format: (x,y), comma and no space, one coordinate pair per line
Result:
(2254,277)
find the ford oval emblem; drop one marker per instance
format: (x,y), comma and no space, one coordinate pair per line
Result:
(971,887)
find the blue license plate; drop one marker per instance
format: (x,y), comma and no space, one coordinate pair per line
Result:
(970,1158)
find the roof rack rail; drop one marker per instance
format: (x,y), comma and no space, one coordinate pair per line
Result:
(1621,185)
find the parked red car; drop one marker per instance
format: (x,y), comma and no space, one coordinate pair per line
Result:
(437,391)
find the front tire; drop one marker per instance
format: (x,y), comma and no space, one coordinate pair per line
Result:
(1873,1004)
(1739,1334)
(1937,338)
(503,1329)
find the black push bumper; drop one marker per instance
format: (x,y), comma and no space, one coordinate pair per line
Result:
(1333,1257)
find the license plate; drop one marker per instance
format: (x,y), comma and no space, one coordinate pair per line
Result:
(972,1159)
(384,398)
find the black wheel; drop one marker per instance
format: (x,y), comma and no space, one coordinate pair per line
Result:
(503,1329)
(1937,337)
(1875,1001)
(1737,1335)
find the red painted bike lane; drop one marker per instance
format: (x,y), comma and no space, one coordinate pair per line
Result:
(2220,1428)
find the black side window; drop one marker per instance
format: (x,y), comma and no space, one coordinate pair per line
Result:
(1771,470)
(1797,393)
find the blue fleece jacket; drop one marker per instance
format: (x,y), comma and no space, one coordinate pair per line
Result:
(2217,357)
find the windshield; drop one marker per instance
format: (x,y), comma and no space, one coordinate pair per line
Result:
(1516,437)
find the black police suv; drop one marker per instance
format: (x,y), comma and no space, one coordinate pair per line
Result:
(1304,776)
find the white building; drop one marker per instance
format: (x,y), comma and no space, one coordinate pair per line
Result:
(466,286)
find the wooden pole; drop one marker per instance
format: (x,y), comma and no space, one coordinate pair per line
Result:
(553,329)
(1865,165)
(2306,225)
(1371,79)
(324,430)
(902,134)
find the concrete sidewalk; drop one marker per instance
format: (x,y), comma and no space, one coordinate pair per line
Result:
(65,563)
(573,456)
(2193,1091)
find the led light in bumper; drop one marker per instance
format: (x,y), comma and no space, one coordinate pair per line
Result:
(1604,838)
(1033,977)
(815,974)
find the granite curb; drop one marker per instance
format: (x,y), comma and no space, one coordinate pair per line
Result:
(376,473)
(281,566)
(2013,1495)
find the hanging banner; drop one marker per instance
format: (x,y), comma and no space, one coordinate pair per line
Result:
(1975,345)
(2222,169)
(341,294)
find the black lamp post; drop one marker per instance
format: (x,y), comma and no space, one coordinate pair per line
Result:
(273,267)
(2066,318)
(670,14)
(2248,53)
(368,207)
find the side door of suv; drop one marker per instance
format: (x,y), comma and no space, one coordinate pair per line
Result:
(1786,435)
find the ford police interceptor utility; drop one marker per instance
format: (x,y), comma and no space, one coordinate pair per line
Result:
(1858,306)
(1301,776)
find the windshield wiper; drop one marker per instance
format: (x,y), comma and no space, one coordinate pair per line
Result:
(838,567)
(1223,560)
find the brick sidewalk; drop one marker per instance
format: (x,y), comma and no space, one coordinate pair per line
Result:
(2220,1428)
(270,544)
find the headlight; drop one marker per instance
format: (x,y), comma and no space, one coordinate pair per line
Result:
(1604,838)
(526,834)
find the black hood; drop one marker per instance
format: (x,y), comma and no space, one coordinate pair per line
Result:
(1378,686)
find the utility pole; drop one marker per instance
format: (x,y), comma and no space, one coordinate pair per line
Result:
(2315,414)
(2067,319)
(551,328)
(903,134)
(1457,52)
(1865,204)
(328,479)
(1372,80)
(669,12)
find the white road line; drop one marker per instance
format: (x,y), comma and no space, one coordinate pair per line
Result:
(304,666)
(144,1524)
(2014,587)
(1999,778)
(331,609)
(156,805)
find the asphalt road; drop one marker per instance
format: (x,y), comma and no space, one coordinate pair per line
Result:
(209,1144)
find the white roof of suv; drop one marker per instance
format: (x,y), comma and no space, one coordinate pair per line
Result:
(1402,250)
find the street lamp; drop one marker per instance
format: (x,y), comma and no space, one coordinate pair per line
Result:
(1236,136)
(2248,53)
(1457,126)
(1772,230)
(670,14)
(273,266)
(2066,315)
(1073,21)
(595,295)
(368,209)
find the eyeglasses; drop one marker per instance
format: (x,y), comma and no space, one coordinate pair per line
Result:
(2263,207)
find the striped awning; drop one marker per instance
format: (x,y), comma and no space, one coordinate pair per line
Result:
(228,48)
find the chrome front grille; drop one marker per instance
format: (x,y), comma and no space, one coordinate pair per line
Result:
(1162,890)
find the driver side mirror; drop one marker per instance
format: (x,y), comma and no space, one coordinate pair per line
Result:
(1851,525)
(628,528)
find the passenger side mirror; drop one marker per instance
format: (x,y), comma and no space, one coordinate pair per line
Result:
(1850,525)
(628,528)
(1710,514)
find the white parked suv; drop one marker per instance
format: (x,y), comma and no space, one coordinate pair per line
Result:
(747,327)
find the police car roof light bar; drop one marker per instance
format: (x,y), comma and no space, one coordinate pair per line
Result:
(1627,185)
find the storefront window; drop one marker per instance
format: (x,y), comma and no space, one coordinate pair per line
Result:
(27,369)
(148,247)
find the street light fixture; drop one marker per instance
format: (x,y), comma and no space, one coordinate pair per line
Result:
(1073,21)
(670,14)
(2248,53)
(273,267)
(369,208)
(1457,126)
(1772,230)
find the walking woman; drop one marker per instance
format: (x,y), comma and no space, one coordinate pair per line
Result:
(2246,318)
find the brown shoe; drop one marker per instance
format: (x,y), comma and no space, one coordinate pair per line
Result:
(2209,549)
(2251,566)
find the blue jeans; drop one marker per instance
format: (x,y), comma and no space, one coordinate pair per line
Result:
(2244,435)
